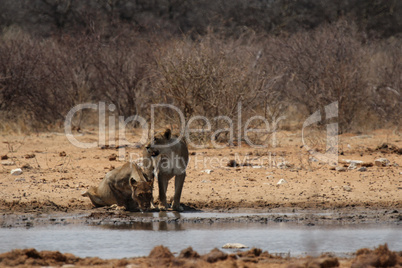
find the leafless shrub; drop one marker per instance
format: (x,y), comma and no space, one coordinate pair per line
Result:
(121,73)
(210,77)
(384,75)
(321,67)
(40,80)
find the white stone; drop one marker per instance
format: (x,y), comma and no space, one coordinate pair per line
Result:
(381,162)
(352,161)
(208,171)
(8,163)
(16,172)
(352,165)
(282,181)
(234,245)
(340,169)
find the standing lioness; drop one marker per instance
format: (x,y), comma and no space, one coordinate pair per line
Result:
(125,186)
(166,156)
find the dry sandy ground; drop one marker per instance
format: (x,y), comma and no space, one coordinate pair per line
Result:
(55,173)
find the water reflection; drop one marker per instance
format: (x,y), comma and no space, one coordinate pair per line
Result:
(167,222)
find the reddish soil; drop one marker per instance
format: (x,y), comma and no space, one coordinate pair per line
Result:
(160,256)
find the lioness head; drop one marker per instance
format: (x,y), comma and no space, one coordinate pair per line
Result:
(141,192)
(161,138)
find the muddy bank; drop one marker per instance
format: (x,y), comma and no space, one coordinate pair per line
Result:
(110,216)
(161,256)
(49,206)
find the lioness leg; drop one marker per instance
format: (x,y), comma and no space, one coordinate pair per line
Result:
(162,184)
(178,186)
(118,196)
(95,199)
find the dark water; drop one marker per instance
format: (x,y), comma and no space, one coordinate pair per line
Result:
(138,239)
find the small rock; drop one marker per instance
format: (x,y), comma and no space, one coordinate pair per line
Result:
(348,161)
(340,169)
(62,154)
(19,180)
(234,245)
(347,188)
(381,162)
(4,157)
(257,166)
(16,172)
(112,157)
(208,171)
(8,163)
(26,166)
(281,181)
(28,156)
(284,165)
(362,169)
(352,166)
(233,163)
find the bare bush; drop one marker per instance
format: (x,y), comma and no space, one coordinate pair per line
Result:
(210,78)
(40,81)
(321,67)
(121,73)
(384,74)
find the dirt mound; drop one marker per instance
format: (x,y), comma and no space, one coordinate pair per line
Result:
(31,257)
(160,252)
(215,255)
(161,256)
(189,253)
(379,257)
(387,148)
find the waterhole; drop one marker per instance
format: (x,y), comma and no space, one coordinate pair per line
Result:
(202,231)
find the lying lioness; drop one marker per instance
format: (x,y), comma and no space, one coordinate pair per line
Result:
(125,186)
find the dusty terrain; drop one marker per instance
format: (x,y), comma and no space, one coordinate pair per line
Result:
(55,173)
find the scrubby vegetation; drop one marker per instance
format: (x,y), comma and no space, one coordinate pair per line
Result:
(203,57)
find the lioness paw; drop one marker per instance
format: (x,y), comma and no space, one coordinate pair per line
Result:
(119,208)
(178,208)
(162,208)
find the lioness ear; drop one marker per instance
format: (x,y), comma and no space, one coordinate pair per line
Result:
(133,182)
(167,134)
